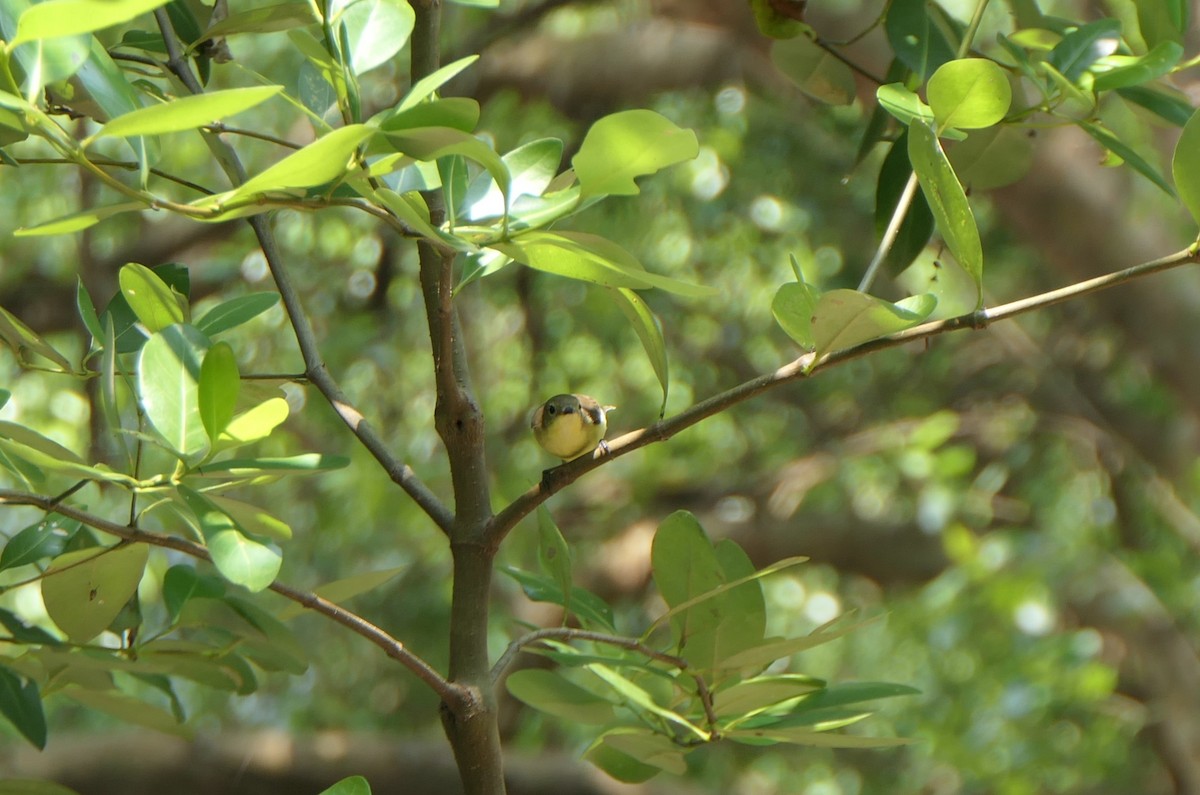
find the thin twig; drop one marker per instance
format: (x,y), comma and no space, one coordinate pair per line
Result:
(393,647)
(556,479)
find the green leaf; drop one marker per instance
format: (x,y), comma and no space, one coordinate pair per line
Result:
(21,632)
(460,113)
(21,703)
(652,750)
(1083,46)
(39,541)
(969,93)
(902,103)
(22,786)
(353,785)
(818,739)
(87,313)
(1135,71)
(187,113)
(1185,166)
(217,389)
(649,331)
(618,764)
(5,395)
(182,583)
(1167,103)
(127,709)
(50,456)
(424,88)
(551,693)
(762,692)
(845,318)
(85,590)
(240,559)
(638,698)
(234,312)
(254,520)
(592,611)
(79,221)
(531,167)
(66,17)
(412,210)
(992,158)
(255,424)
(432,143)
(376,29)
(814,70)
(307,462)
(916,38)
(1122,150)
(24,341)
(150,298)
(268,19)
(793,308)
(553,554)
(629,144)
(322,161)
(947,200)
(342,590)
(590,258)
(168,374)
(762,655)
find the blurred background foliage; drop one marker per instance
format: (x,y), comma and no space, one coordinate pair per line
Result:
(1017,503)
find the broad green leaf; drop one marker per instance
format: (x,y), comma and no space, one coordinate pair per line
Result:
(753,695)
(845,318)
(432,143)
(255,424)
(590,258)
(551,693)
(85,590)
(322,161)
(947,200)
(903,103)
(168,374)
(240,559)
(217,389)
(1166,20)
(353,785)
(128,709)
(24,341)
(1185,166)
(531,167)
(129,334)
(636,697)
(307,462)
(55,18)
(154,303)
(187,113)
(992,158)
(1085,45)
(254,520)
(592,611)
(376,30)
(650,749)
(48,61)
(1168,103)
(424,88)
(618,764)
(917,227)
(345,589)
(268,19)
(1124,151)
(629,144)
(21,703)
(1135,71)
(969,93)
(649,331)
(793,307)
(814,70)
(916,38)
(39,541)
(235,312)
(819,739)
(685,567)
(554,555)
(460,113)
(79,221)
(182,583)
(743,607)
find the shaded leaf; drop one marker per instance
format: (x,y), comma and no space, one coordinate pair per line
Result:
(1185,166)
(86,589)
(239,558)
(217,389)
(1124,151)
(649,331)
(1085,45)
(234,312)
(551,693)
(21,703)
(916,38)
(815,71)
(24,340)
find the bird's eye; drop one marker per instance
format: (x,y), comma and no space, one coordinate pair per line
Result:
(551,410)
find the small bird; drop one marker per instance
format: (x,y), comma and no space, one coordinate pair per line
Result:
(570,426)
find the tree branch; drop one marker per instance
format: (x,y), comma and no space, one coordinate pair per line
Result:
(556,479)
(315,369)
(394,648)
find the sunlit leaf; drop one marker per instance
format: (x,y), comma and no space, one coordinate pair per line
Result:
(234,312)
(1083,46)
(150,298)
(217,389)
(1186,166)
(353,785)
(240,559)
(376,30)
(969,93)
(649,331)
(66,17)
(24,340)
(629,144)
(187,113)
(168,385)
(845,318)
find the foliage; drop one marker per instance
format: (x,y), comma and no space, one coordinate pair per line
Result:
(177,404)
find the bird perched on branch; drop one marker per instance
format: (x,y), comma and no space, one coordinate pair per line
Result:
(570,426)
